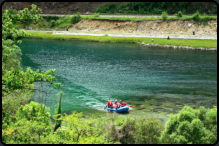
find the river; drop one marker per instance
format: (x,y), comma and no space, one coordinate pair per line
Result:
(156,81)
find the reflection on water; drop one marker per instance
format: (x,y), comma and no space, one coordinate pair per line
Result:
(156,81)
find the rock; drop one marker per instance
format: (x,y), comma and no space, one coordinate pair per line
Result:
(147,44)
(212,49)
(175,47)
(142,43)
(87,12)
(189,25)
(152,40)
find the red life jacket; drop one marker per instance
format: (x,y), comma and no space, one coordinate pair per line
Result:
(108,104)
(111,105)
(116,102)
(117,105)
(121,103)
(124,104)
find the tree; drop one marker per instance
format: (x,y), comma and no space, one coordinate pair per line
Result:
(27,16)
(191,126)
(58,112)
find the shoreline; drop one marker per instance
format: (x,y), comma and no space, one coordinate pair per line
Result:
(176,41)
(172,36)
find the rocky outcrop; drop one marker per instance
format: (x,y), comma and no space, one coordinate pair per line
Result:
(177,27)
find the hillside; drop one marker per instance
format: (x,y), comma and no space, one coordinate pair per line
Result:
(117,7)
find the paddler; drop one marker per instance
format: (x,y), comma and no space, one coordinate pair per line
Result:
(116,104)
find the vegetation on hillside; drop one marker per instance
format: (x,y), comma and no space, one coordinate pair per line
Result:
(157,7)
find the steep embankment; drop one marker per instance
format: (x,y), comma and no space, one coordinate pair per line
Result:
(184,27)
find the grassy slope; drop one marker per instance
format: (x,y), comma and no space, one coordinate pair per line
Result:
(176,42)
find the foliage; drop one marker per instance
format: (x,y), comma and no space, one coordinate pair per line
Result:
(27,16)
(191,126)
(155,7)
(11,103)
(17,79)
(32,122)
(106,8)
(168,37)
(76,18)
(196,16)
(11,55)
(52,23)
(50,17)
(179,14)
(8,30)
(13,15)
(129,130)
(58,112)
(164,15)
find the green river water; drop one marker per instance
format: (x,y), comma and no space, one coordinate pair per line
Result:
(156,81)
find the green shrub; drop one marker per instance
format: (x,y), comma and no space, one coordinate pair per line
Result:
(32,122)
(76,18)
(196,16)
(191,126)
(168,37)
(179,14)
(52,23)
(164,15)
(42,24)
(50,17)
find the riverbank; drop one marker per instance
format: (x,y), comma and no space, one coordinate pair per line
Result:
(110,38)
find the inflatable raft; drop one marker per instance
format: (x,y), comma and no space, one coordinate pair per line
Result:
(121,109)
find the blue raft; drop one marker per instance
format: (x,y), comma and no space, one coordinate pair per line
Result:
(121,109)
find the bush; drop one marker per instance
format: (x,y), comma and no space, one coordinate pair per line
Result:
(32,122)
(164,15)
(196,16)
(179,14)
(42,24)
(50,17)
(191,126)
(129,130)
(76,18)
(52,23)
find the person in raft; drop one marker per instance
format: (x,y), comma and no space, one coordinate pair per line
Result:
(108,103)
(121,104)
(116,104)
(111,104)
